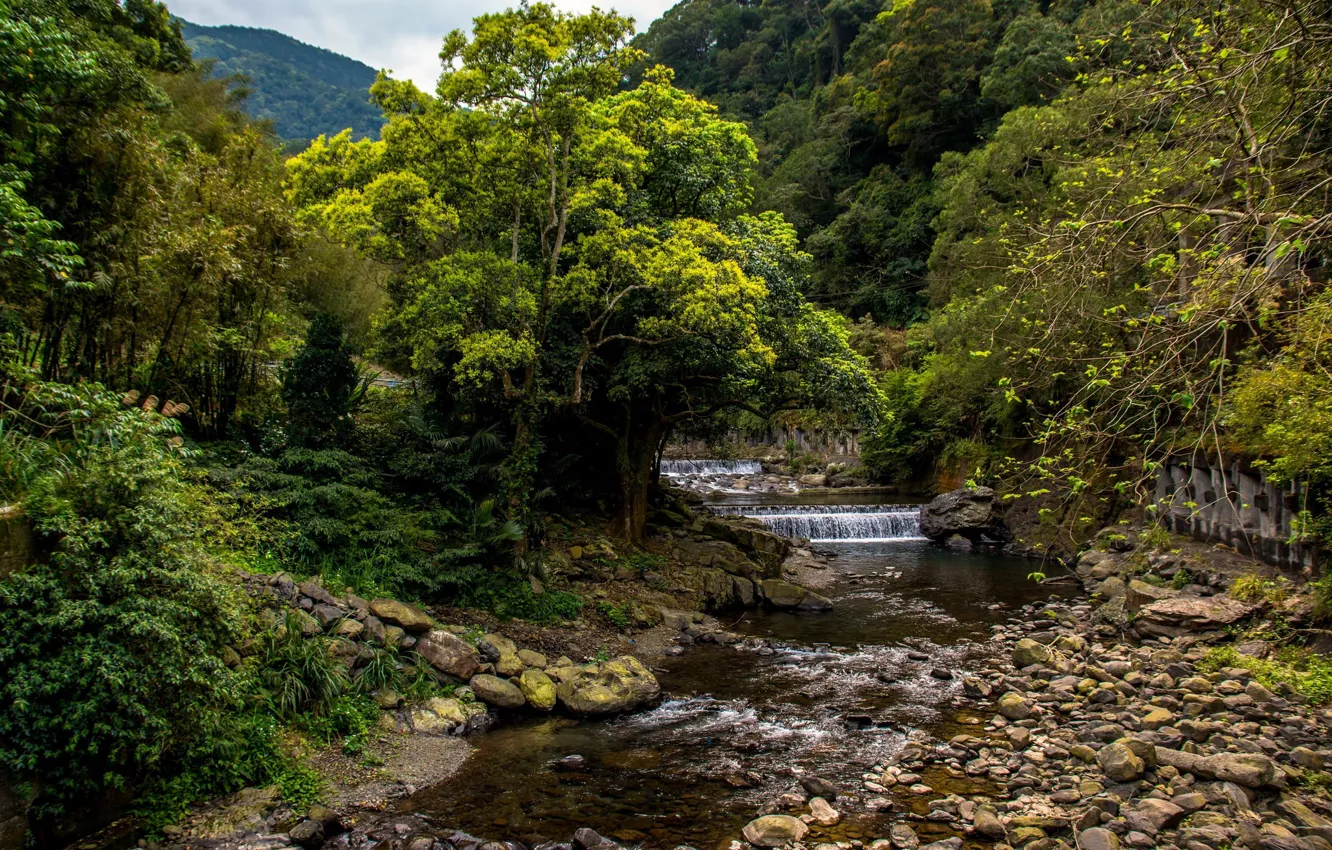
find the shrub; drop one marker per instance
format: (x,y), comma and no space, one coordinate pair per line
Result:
(296,675)
(1308,673)
(110,651)
(1257,588)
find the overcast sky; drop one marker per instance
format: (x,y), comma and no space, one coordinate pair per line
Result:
(403,35)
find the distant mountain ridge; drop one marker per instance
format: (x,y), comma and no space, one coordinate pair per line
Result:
(304,90)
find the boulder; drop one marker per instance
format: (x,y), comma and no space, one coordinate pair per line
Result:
(814,480)
(774,831)
(501,693)
(784,594)
(1248,769)
(1014,706)
(1151,816)
(1120,763)
(1139,594)
(449,653)
(823,813)
(1187,614)
(401,614)
(988,824)
(308,834)
(532,659)
(619,685)
(1028,652)
(971,513)
(317,593)
(1098,838)
(538,689)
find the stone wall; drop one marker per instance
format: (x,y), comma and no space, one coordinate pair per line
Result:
(1229,501)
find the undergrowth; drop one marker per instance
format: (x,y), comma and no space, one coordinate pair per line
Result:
(1308,673)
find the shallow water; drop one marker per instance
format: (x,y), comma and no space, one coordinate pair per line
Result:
(731,717)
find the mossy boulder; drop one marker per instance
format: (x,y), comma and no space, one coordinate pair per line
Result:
(538,689)
(401,614)
(619,685)
(501,693)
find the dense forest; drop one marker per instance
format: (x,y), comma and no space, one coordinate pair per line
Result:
(304,91)
(1039,245)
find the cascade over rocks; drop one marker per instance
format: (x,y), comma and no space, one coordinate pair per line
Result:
(970,513)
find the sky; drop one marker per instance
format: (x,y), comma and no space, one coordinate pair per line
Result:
(402,35)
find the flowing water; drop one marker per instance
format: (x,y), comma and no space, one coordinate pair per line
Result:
(840,692)
(679,468)
(840,523)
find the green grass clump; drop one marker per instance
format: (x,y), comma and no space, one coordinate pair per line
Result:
(1308,673)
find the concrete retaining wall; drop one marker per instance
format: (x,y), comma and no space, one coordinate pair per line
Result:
(1229,501)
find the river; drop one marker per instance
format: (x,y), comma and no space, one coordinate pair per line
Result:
(836,694)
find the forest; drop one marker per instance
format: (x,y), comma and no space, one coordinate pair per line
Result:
(1037,245)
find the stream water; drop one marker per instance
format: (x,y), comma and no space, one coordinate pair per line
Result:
(840,692)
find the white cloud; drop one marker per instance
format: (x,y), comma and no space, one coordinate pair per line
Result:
(404,35)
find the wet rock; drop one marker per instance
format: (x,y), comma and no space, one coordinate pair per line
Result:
(774,831)
(969,513)
(619,685)
(1027,652)
(817,786)
(401,614)
(308,834)
(903,837)
(449,653)
(784,594)
(492,690)
(590,839)
(823,813)
(941,674)
(538,689)
(947,844)
(571,762)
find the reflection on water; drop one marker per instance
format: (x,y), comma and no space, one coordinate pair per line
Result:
(697,768)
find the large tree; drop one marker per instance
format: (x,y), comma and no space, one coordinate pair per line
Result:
(578,251)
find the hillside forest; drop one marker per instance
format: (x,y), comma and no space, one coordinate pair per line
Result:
(304,91)
(1037,245)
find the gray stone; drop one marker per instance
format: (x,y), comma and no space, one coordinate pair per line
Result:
(492,690)
(449,653)
(971,513)
(774,831)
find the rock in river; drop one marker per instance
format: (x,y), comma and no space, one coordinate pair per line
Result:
(492,690)
(783,594)
(619,685)
(969,512)
(774,830)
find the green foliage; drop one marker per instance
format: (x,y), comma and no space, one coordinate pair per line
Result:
(320,386)
(646,562)
(1154,537)
(1258,588)
(110,656)
(618,616)
(305,91)
(295,675)
(1308,673)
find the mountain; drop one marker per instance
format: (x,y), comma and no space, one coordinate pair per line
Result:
(304,90)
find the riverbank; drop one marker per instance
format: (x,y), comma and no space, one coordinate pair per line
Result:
(1017,758)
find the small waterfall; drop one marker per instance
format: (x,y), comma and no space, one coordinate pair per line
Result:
(828,523)
(675,468)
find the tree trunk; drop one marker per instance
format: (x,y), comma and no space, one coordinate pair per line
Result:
(635,459)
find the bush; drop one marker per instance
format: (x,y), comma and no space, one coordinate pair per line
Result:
(295,675)
(110,653)
(1308,673)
